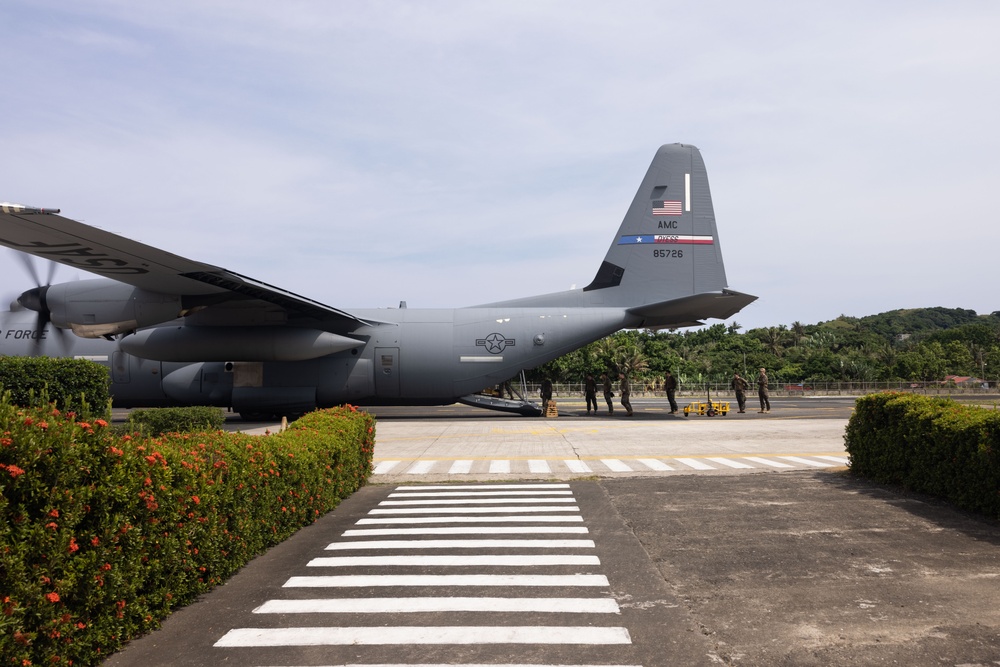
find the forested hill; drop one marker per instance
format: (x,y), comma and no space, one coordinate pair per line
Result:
(919,344)
(920,321)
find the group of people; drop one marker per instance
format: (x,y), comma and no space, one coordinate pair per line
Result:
(624,387)
(738,384)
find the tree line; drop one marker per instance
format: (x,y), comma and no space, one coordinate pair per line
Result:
(919,345)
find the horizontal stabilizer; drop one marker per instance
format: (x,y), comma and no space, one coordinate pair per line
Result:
(691,309)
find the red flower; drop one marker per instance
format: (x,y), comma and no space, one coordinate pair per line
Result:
(101,422)
(14,470)
(43,425)
(196,499)
(73,546)
(52,597)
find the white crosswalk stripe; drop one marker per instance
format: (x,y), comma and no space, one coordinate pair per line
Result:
(729,462)
(363,636)
(538,466)
(470,530)
(461,544)
(769,462)
(464,550)
(808,462)
(655,464)
(695,463)
(614,465)
(416,605)
(451,561)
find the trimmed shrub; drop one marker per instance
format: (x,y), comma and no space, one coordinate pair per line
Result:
(69,383)
(931,445)
(157,421)
(101,536)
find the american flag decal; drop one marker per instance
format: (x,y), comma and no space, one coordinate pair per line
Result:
(666,208)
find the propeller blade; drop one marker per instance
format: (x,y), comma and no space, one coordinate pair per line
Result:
(29,266)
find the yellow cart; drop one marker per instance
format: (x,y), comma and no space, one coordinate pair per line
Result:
(707,408)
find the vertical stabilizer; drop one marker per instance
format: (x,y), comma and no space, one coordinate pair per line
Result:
(664,265)
(668,244)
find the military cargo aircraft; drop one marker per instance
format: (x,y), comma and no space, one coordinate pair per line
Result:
(175,331)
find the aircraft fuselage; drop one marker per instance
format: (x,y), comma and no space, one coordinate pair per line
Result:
(413,356)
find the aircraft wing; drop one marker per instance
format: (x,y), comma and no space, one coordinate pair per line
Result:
(44,233)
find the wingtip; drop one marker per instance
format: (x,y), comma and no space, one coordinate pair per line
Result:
(8,207)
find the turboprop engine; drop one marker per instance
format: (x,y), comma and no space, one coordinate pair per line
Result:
(100,307)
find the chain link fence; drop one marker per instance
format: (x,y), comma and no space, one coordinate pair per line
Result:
(777,388)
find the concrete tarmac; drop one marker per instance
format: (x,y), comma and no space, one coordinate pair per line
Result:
(458,442)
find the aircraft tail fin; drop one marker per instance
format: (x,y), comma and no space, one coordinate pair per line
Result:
(665,264)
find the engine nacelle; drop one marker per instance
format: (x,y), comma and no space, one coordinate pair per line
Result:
(100,307)
(268,343)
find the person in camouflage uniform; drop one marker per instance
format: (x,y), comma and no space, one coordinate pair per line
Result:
(590,392)
(609,392)
(626,388)
(670,384)
(740,386)
(765,401)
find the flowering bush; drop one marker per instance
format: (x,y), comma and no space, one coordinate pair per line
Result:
(156,421)
(69,383)
(101,536)
(930,445)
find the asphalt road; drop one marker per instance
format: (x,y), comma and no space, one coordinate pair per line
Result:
(745,566)
(795,568)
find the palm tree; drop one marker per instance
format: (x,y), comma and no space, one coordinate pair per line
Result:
(631,359)
(798,331)
(774,340)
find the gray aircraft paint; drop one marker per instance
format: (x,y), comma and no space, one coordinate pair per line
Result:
(171,317)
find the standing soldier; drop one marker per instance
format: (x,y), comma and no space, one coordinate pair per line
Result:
(590,392)
(546,393)
(765,402)
(626,390)
(609,393)
(670,384)
(740,386)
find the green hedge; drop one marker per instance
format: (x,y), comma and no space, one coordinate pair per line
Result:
(156,421)
(101,536)
(69,383)
(931,445)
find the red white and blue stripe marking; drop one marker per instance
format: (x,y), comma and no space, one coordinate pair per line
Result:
(653,239)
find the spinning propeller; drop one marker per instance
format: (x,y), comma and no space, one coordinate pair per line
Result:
(34,299)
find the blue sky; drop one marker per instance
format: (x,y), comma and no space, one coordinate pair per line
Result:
(451,153)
